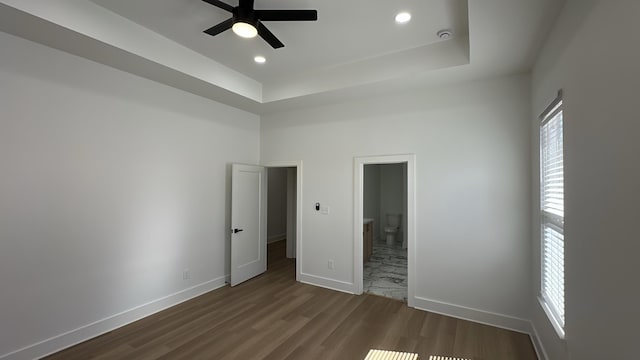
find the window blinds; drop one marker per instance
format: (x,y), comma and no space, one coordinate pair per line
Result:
(552,210)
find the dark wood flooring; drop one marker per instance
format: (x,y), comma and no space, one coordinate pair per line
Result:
(274,317)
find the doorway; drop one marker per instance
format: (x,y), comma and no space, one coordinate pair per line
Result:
(397,171)
(281,217)
(288,189)
(385,243)
(249,215)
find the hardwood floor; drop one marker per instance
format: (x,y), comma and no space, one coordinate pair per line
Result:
(274,317)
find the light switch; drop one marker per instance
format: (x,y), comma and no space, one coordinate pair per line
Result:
(325,210)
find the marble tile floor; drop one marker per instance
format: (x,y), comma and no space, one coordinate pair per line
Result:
(386,272)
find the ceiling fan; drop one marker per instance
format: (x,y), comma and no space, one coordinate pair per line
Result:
(247,22)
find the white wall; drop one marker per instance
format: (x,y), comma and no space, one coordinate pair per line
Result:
(371,196)
(110,186)
(384,193)
(292,213)
(593,55)
(277,204)
(392,185)
(472,144)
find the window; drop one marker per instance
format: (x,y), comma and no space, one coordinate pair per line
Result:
(552,213)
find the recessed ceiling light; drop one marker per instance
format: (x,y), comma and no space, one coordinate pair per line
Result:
(403,17)
(260,59)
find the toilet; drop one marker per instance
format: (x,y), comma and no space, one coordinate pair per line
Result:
(392,228)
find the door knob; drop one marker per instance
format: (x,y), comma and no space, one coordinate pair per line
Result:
(235,231)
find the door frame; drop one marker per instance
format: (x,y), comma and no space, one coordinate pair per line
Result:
(358,210)
(298,165)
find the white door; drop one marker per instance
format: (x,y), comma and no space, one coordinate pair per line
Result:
(248,222)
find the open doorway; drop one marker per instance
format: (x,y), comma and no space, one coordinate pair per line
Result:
(281,218)
(385,244)
(384,226)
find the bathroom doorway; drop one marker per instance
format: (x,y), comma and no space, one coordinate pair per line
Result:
(385,247)
(384,226)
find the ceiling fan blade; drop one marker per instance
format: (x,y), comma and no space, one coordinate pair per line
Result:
(220,4)
(269,37)
(215,30)
(246,4)
(287,15)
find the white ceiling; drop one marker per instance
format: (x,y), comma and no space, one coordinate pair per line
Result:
(346,31)
(354,49)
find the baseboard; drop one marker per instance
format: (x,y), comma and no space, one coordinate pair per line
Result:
(89,331)
(475,315)
(276,238)
(327,283)
(537,345)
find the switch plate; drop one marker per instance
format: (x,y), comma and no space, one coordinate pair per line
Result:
(325,210)
(185,274)
(330,264)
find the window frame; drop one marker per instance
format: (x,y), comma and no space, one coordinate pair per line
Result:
(553,221)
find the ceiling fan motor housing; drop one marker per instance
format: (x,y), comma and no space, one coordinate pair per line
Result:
(245,15)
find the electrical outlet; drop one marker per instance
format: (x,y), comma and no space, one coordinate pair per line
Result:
(185,274)
(330,264)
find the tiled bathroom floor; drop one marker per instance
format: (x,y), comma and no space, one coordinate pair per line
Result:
(386,272)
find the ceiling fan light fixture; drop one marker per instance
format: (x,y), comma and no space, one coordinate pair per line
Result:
(246,21)
(244,29)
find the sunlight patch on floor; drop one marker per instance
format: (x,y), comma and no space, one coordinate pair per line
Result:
(390,355)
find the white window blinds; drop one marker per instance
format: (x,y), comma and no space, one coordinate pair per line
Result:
(552,211)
